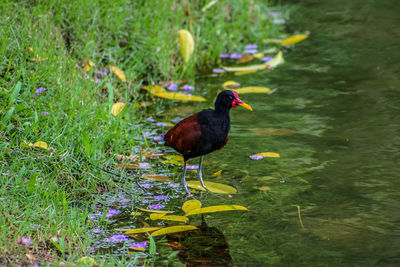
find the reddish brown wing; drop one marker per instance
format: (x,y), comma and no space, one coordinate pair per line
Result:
(184,136)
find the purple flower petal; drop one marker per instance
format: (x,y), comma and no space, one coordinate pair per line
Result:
(256,157)
(176,120)
(140,244)
(117,238)
(218,70)
(124,200)
(45,113)
(160,198)
(187,87)
(172,87)
(250,46)
(25,241)
(40,90)
(174,185)
(156,207)
(159,137)
(224,55)
(162,124)
(192,167)
(144,165)
(105,71)
(236,56)
(150,119)
(250,51)
(97,230)
(147,186)
(93,216)
(112,212)
(265,59)
(99,75)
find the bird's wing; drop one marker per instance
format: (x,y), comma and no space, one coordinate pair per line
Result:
(184,136)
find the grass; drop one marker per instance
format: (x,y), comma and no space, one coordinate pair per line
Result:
(46,194)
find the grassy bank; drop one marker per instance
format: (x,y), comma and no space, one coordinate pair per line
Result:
(45,193)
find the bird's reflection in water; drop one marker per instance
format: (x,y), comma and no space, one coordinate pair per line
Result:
(206,246)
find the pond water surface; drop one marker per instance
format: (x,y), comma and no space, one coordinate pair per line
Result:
(335,121)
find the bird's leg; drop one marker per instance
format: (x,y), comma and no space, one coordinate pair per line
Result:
(200,173)
(184,179)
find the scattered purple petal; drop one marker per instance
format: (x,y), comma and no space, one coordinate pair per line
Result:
(98,80)
(93,216)
(270,67)
(44,113)
(235,56)
(250,46)
(144,165)
(97,230)
(159,137)
(218,70)
(278,21)
(25,241)
(156,207)
(265,59)
(187,87)
(250,51)
(124,200)
(224,55)
(174,185)
(99,75)
(140,244)
(192,167)
(145,201)
(256,157)
(172,87)
(147,186)
(105,71)
(112,212)
(160,198)
(162,124)
(117,238)
(176,120)
(150,119)
(282,181)
(40,90)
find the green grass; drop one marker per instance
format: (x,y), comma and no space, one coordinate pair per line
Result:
(45,192)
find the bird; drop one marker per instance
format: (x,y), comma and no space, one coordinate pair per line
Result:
(204,132)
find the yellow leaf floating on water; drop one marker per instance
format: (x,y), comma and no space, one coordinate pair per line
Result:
(118,72)
(264,188)
(213,187)
(156,177)
(230,84)
(88,65)
(174,218)
(186,43)
(153,89)
(156,216)
(239,73)
(135,213)
(253,89)
(276,60)
(294,39)
(117,108)
(218,173)
(156,211)
(174,229)
(268,155)
(217,208)
(247,68)
(273,40)
(192,204)
(245,58)
(138,230)
(181,97)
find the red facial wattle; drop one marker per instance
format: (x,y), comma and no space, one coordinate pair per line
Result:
(238,102)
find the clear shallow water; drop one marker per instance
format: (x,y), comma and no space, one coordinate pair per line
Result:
(337,111)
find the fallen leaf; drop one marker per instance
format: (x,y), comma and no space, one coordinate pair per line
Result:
(191,205)
(157,216)
(246,68)
(276,60)
(156,211)
(238,73)
(252,89)
(218,173)
(173,244)
(153,89)
(88,65)
(259,55)
(174,218)
(136,213)
(217,208)
(117,108)
(138,230)
(118,72)
(294,39)
(268,154)
(213,187)
(245,58)
(264,188)
(230,84)
(133,165)
(186,43)
(174,229)
(156,177)
(180,96)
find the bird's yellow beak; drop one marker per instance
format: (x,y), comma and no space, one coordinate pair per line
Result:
(246,106)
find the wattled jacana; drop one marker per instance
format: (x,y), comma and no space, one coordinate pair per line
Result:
(204,132)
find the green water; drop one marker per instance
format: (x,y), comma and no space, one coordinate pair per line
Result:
(334,120)
(340,90)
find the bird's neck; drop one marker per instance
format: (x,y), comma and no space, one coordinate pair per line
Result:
(222,113)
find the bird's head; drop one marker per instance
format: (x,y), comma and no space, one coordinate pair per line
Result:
(229,99)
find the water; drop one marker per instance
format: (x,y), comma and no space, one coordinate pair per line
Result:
(335,122)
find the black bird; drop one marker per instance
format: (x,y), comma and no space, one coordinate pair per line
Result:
(204,132)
